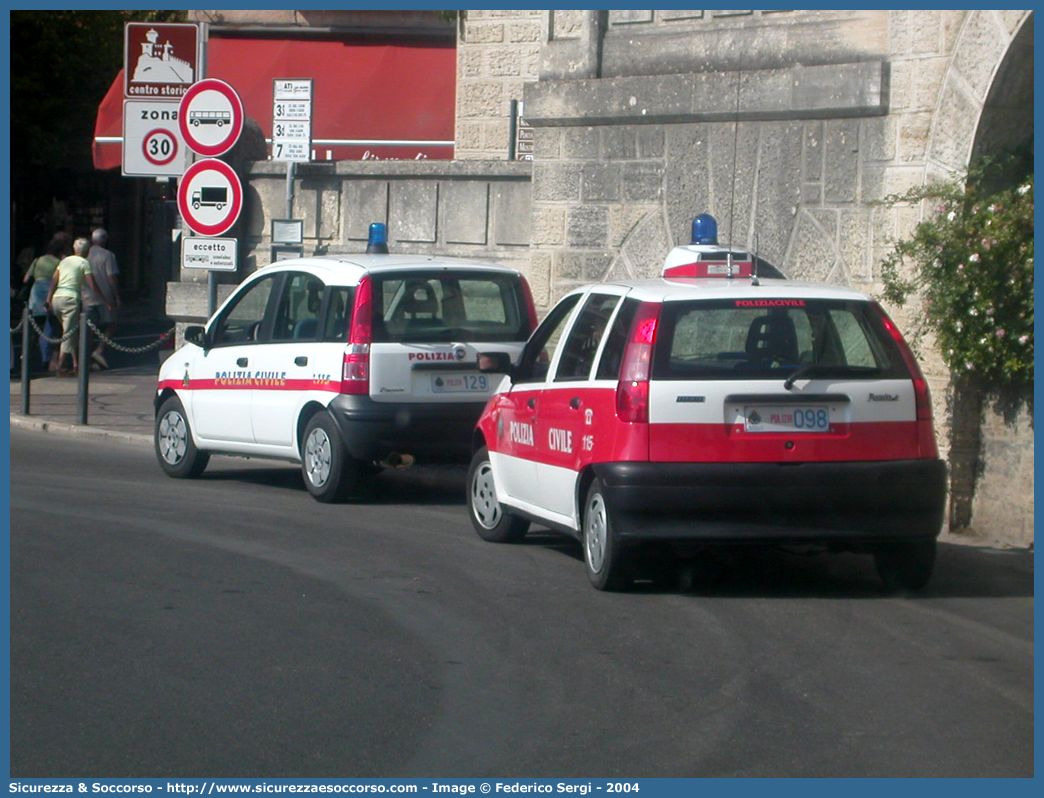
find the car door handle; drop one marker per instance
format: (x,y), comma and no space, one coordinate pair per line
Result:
(242,362)
(531,403)
(575,403)
(301,361)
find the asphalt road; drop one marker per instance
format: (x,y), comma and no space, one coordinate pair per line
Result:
(232,626)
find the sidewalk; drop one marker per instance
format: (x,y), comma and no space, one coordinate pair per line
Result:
(119,404)
(119,399)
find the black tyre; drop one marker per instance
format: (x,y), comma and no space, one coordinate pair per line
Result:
(607,561)
(488,517)
(177,454)
(330,473)
(906,566)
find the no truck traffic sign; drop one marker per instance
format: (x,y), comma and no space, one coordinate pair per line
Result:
(210,197)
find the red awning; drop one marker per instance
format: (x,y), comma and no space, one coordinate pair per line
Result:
(108,128)
(388,100)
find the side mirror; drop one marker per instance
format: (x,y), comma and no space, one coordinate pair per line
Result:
(494,363)
(196,334)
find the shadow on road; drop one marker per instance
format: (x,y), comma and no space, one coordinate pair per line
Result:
(773,572)
(961,571)
(436,485)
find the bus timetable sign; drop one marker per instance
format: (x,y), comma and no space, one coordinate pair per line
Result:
(292,119)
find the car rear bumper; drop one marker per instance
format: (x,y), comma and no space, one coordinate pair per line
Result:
(863,502)
(429,432)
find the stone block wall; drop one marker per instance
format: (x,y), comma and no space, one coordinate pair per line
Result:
(624,164)
(467,209)
(1002,509)
(498,52)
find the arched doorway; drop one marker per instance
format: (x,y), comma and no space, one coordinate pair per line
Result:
(985,110)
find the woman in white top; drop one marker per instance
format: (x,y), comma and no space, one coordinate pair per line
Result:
(64,298)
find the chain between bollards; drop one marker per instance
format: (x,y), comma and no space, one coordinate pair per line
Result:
(85,330)
(83,371)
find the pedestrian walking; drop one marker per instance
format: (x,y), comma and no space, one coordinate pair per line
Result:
(102,305)
(65,297)
(38,276)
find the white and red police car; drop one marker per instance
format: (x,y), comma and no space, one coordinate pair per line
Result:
(342,364)
(714,405)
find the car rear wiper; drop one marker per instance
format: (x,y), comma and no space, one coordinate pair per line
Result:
(826,368)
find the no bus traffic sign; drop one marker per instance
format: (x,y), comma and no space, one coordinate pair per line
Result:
(210,117)
(210,197)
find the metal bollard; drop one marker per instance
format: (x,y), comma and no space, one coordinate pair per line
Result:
(83,371)
(25,360)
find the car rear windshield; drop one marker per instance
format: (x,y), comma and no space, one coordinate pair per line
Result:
(449,306)
(770,339)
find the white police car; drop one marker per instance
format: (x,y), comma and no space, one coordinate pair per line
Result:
(712,406)
(342,364)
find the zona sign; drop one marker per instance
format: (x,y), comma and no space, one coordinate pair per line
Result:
(210,197)
(210,117)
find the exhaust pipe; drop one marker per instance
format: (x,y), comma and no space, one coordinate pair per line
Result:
(396,460)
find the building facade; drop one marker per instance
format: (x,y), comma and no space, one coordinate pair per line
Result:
(790,127)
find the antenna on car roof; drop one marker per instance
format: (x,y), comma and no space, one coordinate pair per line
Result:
(754,263)
(735,149)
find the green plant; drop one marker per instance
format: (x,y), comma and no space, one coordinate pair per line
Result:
(970,262)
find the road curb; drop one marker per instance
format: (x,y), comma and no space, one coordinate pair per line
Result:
(78,430)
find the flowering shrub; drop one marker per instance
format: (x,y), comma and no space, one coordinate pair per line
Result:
(971,264)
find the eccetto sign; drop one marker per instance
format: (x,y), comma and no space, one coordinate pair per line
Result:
(213,254)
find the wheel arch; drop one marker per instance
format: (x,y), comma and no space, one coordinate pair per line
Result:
(162,397)
(307,412)
(587,476)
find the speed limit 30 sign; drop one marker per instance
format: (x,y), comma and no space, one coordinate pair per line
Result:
(152,142)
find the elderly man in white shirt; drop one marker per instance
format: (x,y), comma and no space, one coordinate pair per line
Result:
(102,304)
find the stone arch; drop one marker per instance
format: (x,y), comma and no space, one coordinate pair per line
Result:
(984,56)
(642,250)
(985,106)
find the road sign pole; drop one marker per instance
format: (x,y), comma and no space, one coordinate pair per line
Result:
(26,338)
(211,293)
(290,190)
(84,369)
(211,277)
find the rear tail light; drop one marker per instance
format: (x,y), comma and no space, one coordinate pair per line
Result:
(632,392)
(923,398)
(355,377)
(527,294)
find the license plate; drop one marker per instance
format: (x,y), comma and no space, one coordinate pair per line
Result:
(786,418)
(459,383)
